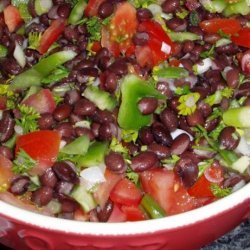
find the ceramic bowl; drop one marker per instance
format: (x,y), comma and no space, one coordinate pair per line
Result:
(21,229)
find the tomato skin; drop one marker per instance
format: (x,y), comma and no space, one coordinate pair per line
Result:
(42,146)
(133,213)
(51,34)
(242,38)
(92,7)
(125,192)
(42,101)
(117,215)
(228,26)
(201,189)
(12,17)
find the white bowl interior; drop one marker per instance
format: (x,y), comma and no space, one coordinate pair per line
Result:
(127,228)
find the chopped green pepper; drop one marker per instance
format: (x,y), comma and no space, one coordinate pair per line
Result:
(34,76)
(214,6)
(237,117)
(183,36)
(170,72)
(133,89)
(3,51)
(77,12)
(240,7)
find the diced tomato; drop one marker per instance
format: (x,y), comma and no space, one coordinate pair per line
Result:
(6,175)
(159,43)
(133,213)
(174,62)
(118,36)
(12,17)
(92,7)
(125,192)
(96,46)
(42,146)
(245,61)
(80,215)
(117,215)
(3,102)
(167,190)
(42,101)
(242,38)
(51,35)
(103,191)
(228,26)
(214,174)
(144,56)
(201,188)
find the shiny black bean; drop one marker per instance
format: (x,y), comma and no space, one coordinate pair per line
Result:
(119,67)
(115,162)
(105,9)
(63,10)
(177,24)
(232,180)
(144,161)
(161,151)
(20,185)
(95,128)
(205,109)
(84,107)
(64,187)
(169,119)
(195,119)
(42,196)
(101,116)
(180,144)
(162,135)
(210,125)
(44,19)
(46,121)
(62,112)
(65,129)
(184,125)
(140,38)
(170,6)
(31,8)
(68,205)
(211,38)
(243,90)
(49,178)
(143,14)
(104,213)
(233,78)
(188,46)
(85,63)
(229,138)
(84,74)
(147,105)
(6,152)
(10,66)
(146,136)
(84,131)
(72,96)
(65,172)
(7,124)
(187,170)
(107,131)
(70,33)
(111,82)
(228,49)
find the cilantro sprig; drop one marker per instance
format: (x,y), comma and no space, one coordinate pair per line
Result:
(220,192)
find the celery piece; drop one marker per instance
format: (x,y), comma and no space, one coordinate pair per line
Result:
(237,117)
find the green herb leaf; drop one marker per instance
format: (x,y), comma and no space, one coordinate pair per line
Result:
(28,120)
(129,135)
(132,176)
(3,51)
(142,3)
(220,192)
(194,18)
(94,26)
(182,90)
(58,74)
(23,163)
(209,53)
(172,160)
(117,146)
(34,40)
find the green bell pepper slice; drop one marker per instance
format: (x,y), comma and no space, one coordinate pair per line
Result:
(34,75)
(133,89)
(77,12)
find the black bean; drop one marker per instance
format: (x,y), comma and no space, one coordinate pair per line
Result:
(170,6)
(143,14)
(72,96)
(65,129)
(105,9)
(101,116)
(146,136)
(70,33)
(111,82)
(162,135)
(211,38)
(10,66)
(20,185)
(195,119)
(177,24)
(243,90)
(49,178)
(161,151)
(46,121)
(42,196)
(187,170)
(147,105)
(180,144)
(85,63)
(84,131)
(44,19)
(68,205)
(107,131)
(62,112)
(210,125)
(64,187)
(229,138)
(119,67)
(104,213)
(232,180)
(84,107)
(7,124)
(233,78)
(188,46)
(140,38)
(65,172)
(169,119)
(115,162)
(63,10)
(228,49)
(6,152)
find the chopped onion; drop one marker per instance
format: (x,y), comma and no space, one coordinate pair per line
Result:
(62,144)
(82,124)
(155,9)
(243,148)
(92,176)
(43,6)
(19,55)
(192,79)
(1,114)
(203,66)
(224,72)
(239,185)
(18,129)
(241,164)
(178,132)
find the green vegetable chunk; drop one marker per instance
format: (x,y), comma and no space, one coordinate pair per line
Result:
(133,89)
(35,75)
(170,72)
(77,12)
(183,36)
(237,117)
(240,7)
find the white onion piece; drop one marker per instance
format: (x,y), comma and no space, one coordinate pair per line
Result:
(243,148)
(18,129)
(155,9)
(92,176)
(19,55)
(203,66)
(1,114)
(239,185)
(82,124)
(62,144)
(178,132)
(241,164)
(224,72)
(204,153)
(34,20)
(192,79)
(25,44)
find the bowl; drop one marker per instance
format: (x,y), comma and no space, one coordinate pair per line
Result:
(21,229)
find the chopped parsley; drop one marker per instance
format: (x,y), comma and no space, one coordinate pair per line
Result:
(142,3)
(220,192)
(194,18)
(132,176)
(188,103)
(57,75)
(34,40)
(129,135)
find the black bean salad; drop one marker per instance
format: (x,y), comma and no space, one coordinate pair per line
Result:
(114,110)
